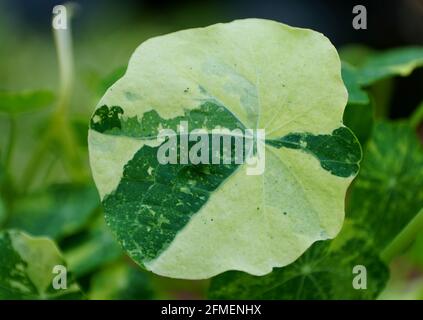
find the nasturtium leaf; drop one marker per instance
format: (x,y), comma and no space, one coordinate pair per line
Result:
(18,102)
(121,281)
(324,272)
(92,249)
(26,268)
(395,62)
(58,211)
(356,95)
(195,221)
(390,183)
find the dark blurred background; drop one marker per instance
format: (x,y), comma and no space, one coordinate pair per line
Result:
(391,23)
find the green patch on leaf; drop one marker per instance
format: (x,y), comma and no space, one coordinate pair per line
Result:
(209,115)
(159,200)
(338,152)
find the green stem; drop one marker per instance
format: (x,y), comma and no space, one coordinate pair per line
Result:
(65,136)
(12,140)
(70,151)
(404,239)
(49,168)
(7,183)
(59,130)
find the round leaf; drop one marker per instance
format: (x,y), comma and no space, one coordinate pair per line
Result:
(195,221)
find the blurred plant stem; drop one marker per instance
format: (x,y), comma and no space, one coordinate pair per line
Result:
(59,132)
(12,141)
(405,238)
(6,183)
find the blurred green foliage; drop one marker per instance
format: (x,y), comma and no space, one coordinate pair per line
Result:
(17,102)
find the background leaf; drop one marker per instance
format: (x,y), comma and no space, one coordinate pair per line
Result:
(323,272)
(394,62)
(26,268)
(92,249)
(58,211)
(388,191)
(356,95)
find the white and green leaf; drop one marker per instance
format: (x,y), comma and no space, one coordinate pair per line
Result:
(195,221)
